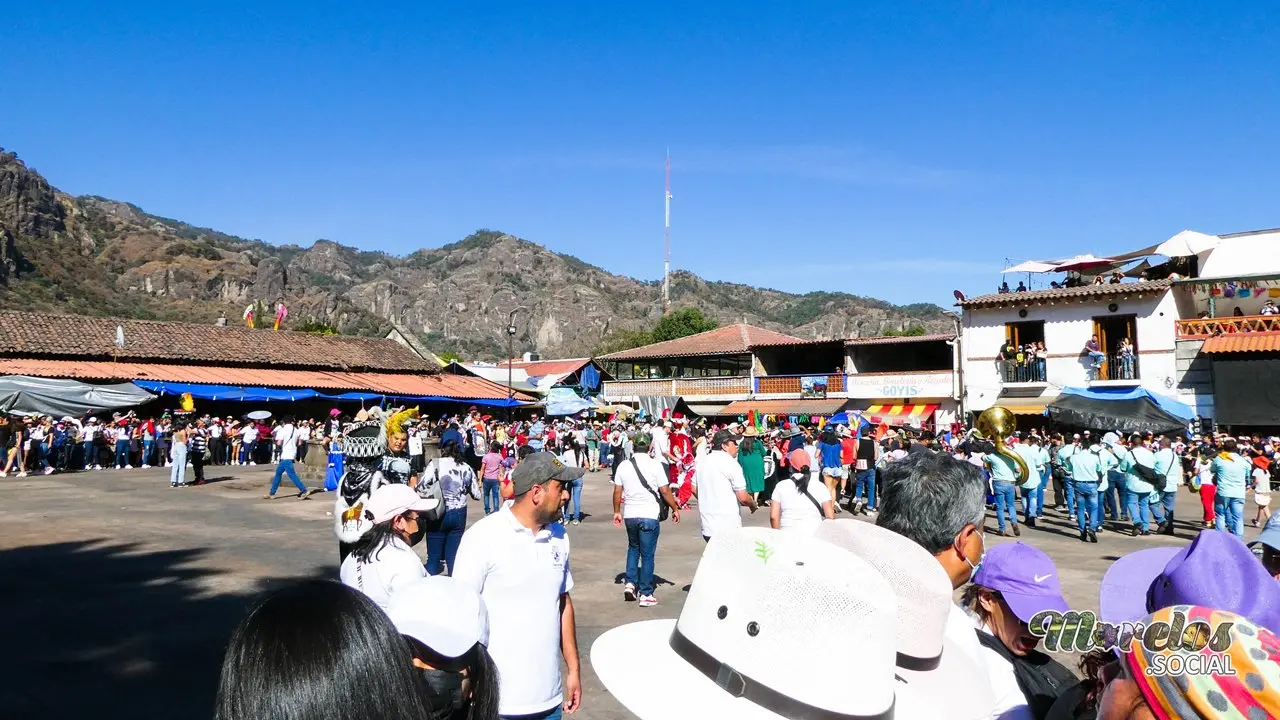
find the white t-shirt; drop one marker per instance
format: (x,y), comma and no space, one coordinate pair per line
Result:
(718,478)
(636,501)
(88,433)
(249,433)
(569,458)
(520,575)
(391,568)
(798,513)
(661,444)
(287,436)
(415,444)
(1011,704)
(215,431)
(1261,482)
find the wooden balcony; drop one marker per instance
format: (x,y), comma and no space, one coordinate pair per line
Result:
(791,384)
(684,387)
(1210,327)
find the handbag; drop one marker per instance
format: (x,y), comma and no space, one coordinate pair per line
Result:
(432,490)
(663,510)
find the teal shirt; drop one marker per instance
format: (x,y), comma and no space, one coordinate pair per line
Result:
(1064,456)
(1087,466)
(1030,456)
(1002,468)
(1168,465)
(1231,475)
(1134,482)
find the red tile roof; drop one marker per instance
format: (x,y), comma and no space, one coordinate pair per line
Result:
(728,340)
(895,339)
(25,334)
(542,368)
(462,387)
(1243,342)
(1083,293)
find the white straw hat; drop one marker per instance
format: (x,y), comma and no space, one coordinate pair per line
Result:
(944,678)
(769,616)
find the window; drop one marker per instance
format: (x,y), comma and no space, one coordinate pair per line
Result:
(1021,359)
(1118,341)
(1021,333)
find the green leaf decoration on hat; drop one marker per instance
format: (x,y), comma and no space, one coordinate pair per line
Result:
(763,551)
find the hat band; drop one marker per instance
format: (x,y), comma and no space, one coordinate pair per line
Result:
(739,685)
(918,664)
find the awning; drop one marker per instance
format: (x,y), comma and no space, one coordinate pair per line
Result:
(1242,342)
(1023,405)
(47,396)
(820,408)
(900,414)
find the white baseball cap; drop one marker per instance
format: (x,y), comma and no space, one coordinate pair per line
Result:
(945,679)
(395,499)
(766,611)
(441,613)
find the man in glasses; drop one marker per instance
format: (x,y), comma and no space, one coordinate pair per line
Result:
(720,486)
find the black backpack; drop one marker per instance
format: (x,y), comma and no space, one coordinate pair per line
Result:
(1146,472)
(1041,678)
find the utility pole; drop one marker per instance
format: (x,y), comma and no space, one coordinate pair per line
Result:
(666,236)
(511,336)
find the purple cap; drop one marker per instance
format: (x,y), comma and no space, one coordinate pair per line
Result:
(1123,595)
(1026,578)
(1216,570)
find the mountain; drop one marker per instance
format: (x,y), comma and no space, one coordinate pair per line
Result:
(90,255)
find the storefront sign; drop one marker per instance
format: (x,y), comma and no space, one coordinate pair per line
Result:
(899,385)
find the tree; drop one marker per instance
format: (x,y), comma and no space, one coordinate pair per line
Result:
(909,331)
(449,356)
(620,340)
(315,325)
(682,323)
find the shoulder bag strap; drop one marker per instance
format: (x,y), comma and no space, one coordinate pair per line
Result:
(804,490)
(640,476)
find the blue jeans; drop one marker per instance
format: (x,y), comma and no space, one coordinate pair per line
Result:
(866,485)
(246,451)
(178,473)
(286,466)
(575,492)
(1139,509)
(642,543)
(442,543)
(1006,502)
(1114,499)
(1086,501)
(122,453)
(1097,359)
(148,448)
(604,454)
(1126,366)
(1044,482)
(491,491)
(1167,500)
(1229,514)
(90,454)
(1030,503)
(1069,489)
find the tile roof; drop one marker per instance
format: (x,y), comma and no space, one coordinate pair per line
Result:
(727,340)
(895,339)
(462,387)
(830,406)
(1083,293)
(542,368)
(1242,342)
(26,334)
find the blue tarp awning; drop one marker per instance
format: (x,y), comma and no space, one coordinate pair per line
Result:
(1166,403)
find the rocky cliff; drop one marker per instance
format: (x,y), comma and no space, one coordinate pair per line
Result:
(95,256)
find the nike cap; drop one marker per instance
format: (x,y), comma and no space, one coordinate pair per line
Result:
(1026,578)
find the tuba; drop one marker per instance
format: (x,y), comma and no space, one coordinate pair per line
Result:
(996,424)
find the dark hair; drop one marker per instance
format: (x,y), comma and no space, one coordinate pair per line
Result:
(371,543)
(481,670)
(748,445)
(930,498)
(449,449)
(829,436)
(322,651)
(1229,445)
(523,452)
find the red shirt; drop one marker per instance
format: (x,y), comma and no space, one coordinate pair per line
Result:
(848,451)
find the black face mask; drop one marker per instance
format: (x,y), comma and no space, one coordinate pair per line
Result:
(415,538)
(445,690)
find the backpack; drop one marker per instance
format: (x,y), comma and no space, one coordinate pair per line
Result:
(1145,472)
(1040,678)
(432,489)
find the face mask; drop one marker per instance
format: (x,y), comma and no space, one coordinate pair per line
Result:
(982,558)
(445,690)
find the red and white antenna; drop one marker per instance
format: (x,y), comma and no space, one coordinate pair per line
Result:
(666,234)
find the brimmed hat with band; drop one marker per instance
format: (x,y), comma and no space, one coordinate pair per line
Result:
(766,611)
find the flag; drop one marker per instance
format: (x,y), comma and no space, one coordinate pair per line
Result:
(282,312)
(751,418)
(881,431)
(248,315)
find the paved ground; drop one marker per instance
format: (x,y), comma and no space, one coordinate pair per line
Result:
(118,593)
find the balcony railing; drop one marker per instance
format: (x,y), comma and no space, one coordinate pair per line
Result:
(685,387)
(1115,367)
(1024,372)
(1209,327)
(799,384)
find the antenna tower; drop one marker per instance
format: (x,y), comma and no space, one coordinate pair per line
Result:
(666,236)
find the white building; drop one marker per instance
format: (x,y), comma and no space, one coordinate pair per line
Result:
(1065,320)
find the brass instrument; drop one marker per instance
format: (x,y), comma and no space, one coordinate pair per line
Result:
(996,424)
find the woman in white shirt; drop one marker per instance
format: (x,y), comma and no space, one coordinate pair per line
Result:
(800,502)
(383,560)
(1208,491)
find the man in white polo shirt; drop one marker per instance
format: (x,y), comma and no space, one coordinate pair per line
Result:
(720,486)
(517,560)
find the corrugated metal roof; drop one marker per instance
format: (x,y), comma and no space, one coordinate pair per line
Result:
(829,406)
(1243,342)
(1083,292)
(443,384)
(896,339)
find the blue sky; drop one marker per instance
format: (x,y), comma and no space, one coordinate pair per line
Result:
(892,149)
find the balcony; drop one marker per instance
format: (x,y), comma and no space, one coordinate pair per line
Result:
(1116,369)
(684,387)
(1202,328)
(1026,373)
(805,385)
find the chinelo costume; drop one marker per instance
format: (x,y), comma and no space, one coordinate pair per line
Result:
(368,467)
